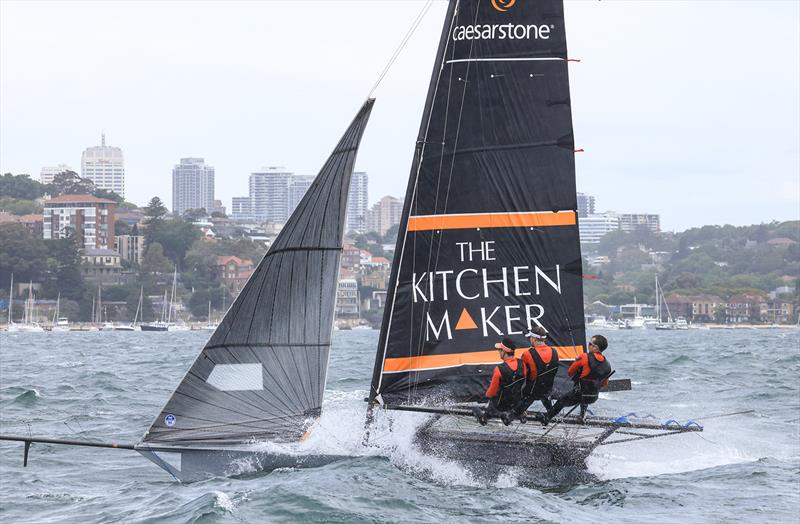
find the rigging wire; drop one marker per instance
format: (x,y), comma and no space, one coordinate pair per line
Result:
(414,25)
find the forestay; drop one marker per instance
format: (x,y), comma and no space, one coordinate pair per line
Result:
(262,373)
(488,244)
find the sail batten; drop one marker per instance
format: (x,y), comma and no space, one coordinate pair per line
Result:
(262,373)
(488,244)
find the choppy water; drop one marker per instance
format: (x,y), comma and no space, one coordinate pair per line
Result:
(110,385)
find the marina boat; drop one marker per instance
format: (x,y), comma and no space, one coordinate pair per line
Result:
(488,245)
(133,326)
(680,323)
(59,323)
(29,323)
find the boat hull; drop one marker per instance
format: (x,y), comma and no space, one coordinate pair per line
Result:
(196,464)
(145,327)
(541,459)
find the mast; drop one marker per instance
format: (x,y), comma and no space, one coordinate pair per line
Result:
(419,153)
(172,296)
(58,306)
(10,299)
(138,306)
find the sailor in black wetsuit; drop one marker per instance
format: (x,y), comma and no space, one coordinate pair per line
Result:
(590,372)
(505,390)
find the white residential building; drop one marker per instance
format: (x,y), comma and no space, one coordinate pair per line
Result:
(241,209)
(594,227)
(357,202)
(269,194)
(384,214)
(105,166)
(298,186)
(631,221)
(48,173)
(192,186)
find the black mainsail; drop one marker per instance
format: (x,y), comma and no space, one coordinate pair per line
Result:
(261,376)
(488,244)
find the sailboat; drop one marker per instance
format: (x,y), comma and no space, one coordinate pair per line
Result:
(488,245)
(133,325)
(209,325)
(29,323)
(59,323)
(669,325)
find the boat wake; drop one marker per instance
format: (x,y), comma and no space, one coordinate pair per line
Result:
(677,455)
(340,433)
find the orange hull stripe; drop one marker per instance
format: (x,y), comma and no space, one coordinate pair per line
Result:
(490,220)
(394,365)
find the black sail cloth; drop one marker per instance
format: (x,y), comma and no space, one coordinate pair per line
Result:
(262,373)
(488,244)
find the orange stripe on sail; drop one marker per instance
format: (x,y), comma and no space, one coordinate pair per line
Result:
(425,362)
(491,220)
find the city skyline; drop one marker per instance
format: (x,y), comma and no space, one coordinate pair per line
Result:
(663,132)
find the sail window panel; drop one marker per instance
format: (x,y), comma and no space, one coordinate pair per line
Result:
(236,377)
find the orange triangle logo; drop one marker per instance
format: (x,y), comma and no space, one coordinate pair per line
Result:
(465,321)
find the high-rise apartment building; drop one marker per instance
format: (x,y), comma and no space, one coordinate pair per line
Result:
(298,185)
(241,209)
(384,214)
(357,202)
(594,227)
(48,173)
(192,186)
(585,205)
(630,221)
(269,194)
(89,218)
(105,166)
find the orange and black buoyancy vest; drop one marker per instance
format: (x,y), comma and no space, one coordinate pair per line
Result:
(511,384)
(545,372)
(599,370)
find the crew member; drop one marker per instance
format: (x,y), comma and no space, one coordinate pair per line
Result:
(541,362)
(590,372)
(505,390)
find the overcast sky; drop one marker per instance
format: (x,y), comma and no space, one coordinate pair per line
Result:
(690,109)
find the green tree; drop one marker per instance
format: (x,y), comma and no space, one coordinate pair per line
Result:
(21,187)
(154,213)
(17,206)
(176,236)
(194,214)
(69,183)
(22,254)
(108,195)
(155,262)
(121,228)
(64,261)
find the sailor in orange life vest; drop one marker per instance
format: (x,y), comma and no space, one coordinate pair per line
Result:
(590,372)
(541,362)
(505,390)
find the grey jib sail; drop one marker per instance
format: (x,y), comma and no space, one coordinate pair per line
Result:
(262,373)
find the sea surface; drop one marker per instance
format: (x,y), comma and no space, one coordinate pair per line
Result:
(109,386)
